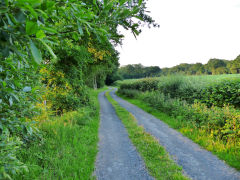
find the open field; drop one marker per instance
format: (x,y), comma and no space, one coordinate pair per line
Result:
(201,80)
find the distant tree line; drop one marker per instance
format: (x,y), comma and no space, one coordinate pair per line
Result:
(213,67)
(135,71)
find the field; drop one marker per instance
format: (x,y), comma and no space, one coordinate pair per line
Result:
(204,108)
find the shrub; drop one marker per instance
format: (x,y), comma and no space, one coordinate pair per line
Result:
(147,84)
(223,123)
(226,92)
(129,92)
(218,93)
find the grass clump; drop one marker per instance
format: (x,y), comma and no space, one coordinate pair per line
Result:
(156,158)
(68,148)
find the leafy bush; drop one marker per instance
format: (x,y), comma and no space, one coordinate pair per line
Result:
(218,93)
(129,92)
(223,123)
(147,84)
(60,93)
(226,92)
(19,91)
(68,148)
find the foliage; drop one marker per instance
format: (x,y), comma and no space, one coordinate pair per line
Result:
(213,67)
(68,148)
(214,119)
(19,90)
(226,92)
(74,41)
(112,78)
(216,90)
(148,84)
(133,71)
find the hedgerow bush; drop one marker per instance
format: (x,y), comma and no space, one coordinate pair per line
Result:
(147,84)
(218,94)
(131,93)
(226,92)
(223,123)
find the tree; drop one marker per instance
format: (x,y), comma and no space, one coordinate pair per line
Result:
(138,71)
(56,35)
(234,66)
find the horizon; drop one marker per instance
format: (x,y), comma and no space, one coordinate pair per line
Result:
(176,64)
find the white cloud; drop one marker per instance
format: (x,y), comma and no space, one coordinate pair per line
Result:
(190,31)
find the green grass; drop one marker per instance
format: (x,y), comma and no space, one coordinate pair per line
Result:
(69,146)
(157,160)
(227,152)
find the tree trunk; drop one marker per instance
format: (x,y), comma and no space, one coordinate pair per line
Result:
(94,82)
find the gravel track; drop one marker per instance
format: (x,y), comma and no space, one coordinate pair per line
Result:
(117,158)
(197,163)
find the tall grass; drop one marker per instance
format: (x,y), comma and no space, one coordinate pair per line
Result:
(68,148)
(199,81)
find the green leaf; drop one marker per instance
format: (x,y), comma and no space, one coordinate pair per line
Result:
(35,53)
(20,17)
(3,10)
(10,101)
(32,11)
(27,89)
(15,97)
(87,30)
(75,36)
(40,34)
(80,30)
(122,2)
(43,13)
(48,29)
(49,49)
(29,130)
(140,2)
(4,83)
(140,18)
(31,27)
(6,2)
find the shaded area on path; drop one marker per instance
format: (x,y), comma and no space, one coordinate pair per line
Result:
(117,158)
(197,163)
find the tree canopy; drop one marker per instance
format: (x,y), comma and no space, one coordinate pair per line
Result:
(213,67)
(50,51)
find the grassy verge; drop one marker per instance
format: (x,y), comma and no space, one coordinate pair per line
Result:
(156,158)
(68,148)
(227,152)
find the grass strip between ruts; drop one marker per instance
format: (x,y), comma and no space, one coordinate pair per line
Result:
(156,158)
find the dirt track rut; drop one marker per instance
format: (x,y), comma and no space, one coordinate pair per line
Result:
(117,158)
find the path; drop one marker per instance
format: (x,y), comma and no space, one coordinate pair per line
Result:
(197,163)
(117,158)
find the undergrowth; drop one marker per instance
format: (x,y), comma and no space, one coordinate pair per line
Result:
(226,149)
(68,148)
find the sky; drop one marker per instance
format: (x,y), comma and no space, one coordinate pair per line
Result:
(190,31)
